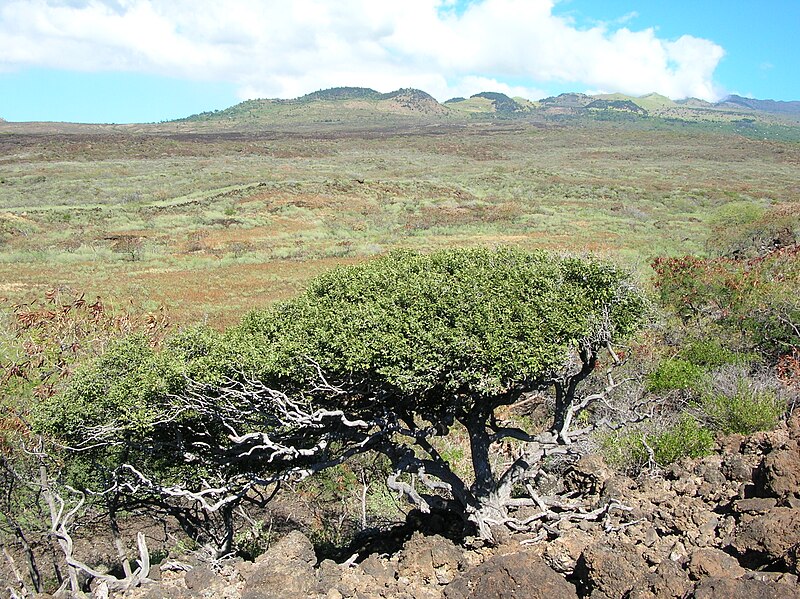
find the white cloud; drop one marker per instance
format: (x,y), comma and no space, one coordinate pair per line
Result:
(280,48)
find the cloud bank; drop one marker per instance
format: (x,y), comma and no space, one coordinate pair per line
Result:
(282,48)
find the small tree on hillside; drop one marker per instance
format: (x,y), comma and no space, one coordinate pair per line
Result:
(385,356)
(418,343)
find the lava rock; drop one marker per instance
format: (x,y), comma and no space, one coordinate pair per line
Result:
(731,588)
(284,571)
(513,576)
(778,475)
(713,563)
(772,537)
(609,571)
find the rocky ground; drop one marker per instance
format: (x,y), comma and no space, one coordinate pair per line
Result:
(724,527)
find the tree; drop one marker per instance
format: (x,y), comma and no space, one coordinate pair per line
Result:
(419,343)
(384,356)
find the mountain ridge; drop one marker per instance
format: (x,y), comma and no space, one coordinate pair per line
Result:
(773,106)
(364,106)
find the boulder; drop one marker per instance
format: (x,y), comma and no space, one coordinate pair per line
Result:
(562,553)
(668,581)
(519,575)
(732,588)
(609,571)
(382,571)
(588,475)
(713,563)
(431,559)
(200,578)
(735,467)
(769,538)
(778,475)
(284,571)
(159,590)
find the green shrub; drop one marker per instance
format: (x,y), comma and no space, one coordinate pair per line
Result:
(746,411)
(624,451)
(710,353)
(414,343)
(467,324)
(686,438)
(675,374)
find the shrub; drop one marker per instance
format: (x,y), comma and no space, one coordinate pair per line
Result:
(686,438)
(383,356)
(746,411)
(710,353)
(675,374)
(755,299)
(745,230)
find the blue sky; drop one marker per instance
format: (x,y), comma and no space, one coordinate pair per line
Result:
(152,60)
(761,38)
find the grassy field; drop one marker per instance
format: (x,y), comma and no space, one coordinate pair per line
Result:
(211,223)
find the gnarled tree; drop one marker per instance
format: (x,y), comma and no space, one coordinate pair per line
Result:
(384,356)
(418,343)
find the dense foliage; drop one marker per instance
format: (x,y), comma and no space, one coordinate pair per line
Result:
(424,328)
(402,340)
(455,324)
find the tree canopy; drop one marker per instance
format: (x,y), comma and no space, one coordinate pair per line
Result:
(471,323)
(379,356)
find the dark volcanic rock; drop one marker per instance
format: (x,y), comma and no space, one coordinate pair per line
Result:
(516,576)
(669,581)
(430,559)
(589,474)
(756,505)
(770,538)
(609,571)
(284,571)
(778,475)
(199,578)
(736,467)
(713,563)
(161,591)
(730,588)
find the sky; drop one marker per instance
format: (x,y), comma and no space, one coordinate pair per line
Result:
(121,61)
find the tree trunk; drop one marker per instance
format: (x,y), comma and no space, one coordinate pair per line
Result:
(492,511)
(58,528)
(226,546)
(479,442)
(488,509)
(30,558)
(118,544)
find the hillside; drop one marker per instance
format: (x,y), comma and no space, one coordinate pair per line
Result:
(341,93)
(621,105)
(368,107)
(492,102)
(362,107)
(771,106)
(330,106)
(412,101)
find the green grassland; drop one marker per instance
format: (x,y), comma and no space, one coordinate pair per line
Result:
(221,212)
